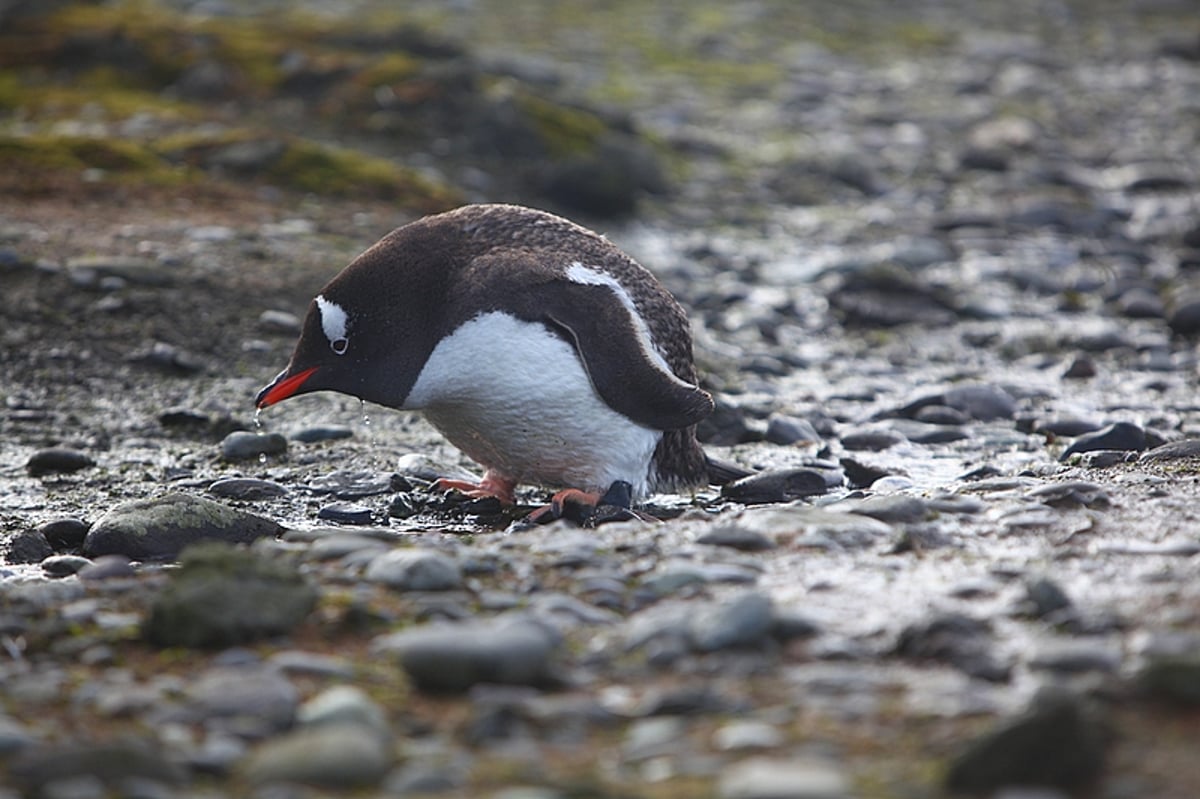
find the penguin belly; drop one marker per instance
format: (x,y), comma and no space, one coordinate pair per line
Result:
(515,398)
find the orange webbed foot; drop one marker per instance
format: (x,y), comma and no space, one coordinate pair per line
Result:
(491,486)
(588,508)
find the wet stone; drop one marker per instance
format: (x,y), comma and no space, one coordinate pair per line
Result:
(415,570)
(247,488)
(895,508)
(250,699)
(353,484)
(243,445)
(1176,450)
(780,485)
(159,529)
(454,657)
(63,565)
(736,537)
(65,533)
(1072,494)
(956,639)
(222,596)
(1057,742)
(871,440)
(1122,436)
(58,460)
(346,513)
(107,567)
(787,430)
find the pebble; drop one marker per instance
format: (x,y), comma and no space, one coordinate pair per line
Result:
(1074,656)
(777,485)
(352,484)
(221,596)
(1072,494)
(1122,436)
(65,533)
(415,570)
(875,440)
(159,528)
(275,321)
(58,460)
(955,639)
(453,658)
(339,755)
(788,430)
(26,546)
(64,565)
(893,509)
(736,538)
(241,445)
(249,700)
(247,489)
(107,567)
(1176,450)
(346,513)
(50,767)
(737,736)
(778,778)
(1170,668)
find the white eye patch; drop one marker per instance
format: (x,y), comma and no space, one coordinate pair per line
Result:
(333,324)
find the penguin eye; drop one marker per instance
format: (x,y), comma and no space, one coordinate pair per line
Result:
(339,345)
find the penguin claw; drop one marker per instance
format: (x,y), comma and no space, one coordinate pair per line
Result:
(589,508)
(490,487)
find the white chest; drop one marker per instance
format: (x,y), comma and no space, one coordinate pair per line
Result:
(516,399)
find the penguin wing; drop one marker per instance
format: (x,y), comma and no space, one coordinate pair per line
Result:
(615,348)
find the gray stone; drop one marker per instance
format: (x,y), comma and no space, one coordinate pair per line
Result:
(775,485)
(452,658)
(817,527)
(338,754)
(315,433)
(64,533)
(735,537)
(1124,436)
(222,596)
(246,488)
(64,565)
(415,570)
(892,508)
(89,270)
(787,430)
(254,695)
(346,513)
(743,621)
(274,321)
(777,778)
(36,767)
(159,528)
(738,736)
(1176,450)
(344,704)
(26,546)
(14,736)
(241,445)
(58,460)
(107,567)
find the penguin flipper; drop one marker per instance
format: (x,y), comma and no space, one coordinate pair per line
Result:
(619,358)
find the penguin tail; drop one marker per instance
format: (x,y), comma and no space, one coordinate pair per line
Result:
(722,472)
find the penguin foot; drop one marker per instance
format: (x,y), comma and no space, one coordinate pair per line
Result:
(491,486)
(589,508)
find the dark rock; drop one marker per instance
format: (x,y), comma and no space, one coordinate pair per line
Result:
(344,513)
(354,484)
(311,435)
(1072,494)
(247,488)
(743,621)
(1044,597)
(958,640)
(243,445)
(736,537)
(727,426)
(58,460)
(941,414)
(114,765)
(221,596)
(861,475)
(415,570)
(785,430)
(778,485)
(64,565)
(1184,315)
(168,358)
(1056,743)
(1176,450)
(159,529)
(1069,427)
(922,433)
(1124,436)
(64,534)
(26,546)
(452,658)
(1141,303)
(888,296)
(1080,368)
(983,402)
(871,440)
(605,182)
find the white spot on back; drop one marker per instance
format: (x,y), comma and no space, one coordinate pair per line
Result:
(516,398)
(578,273)
(333,319)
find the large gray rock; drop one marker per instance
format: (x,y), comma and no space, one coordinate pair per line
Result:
(335,755)
(452,658)
(160,528)
(222,596)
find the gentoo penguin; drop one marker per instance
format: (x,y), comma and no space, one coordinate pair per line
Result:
(534,345)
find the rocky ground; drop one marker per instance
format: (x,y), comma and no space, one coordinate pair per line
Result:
(943,266)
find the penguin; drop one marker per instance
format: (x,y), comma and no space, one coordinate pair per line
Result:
(533,344)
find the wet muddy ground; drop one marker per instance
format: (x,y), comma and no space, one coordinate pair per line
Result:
(946,261)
